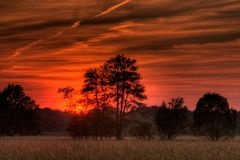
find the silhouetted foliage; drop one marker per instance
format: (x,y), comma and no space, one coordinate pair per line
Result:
(54,121)
(84,125)
(69,96)
(18,112)
(142,130)
(95,87)
(106,128)
(172,118)
(116,83)
(213,118)
(125,86)
(79,127)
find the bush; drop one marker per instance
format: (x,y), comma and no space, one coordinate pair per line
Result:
(213,118)
(172,119)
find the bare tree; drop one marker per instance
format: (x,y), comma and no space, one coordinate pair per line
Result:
(69,96)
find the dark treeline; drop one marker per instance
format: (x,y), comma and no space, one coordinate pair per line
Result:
(95,124)
(110,104)
(18,112)
(20,115)
(53,122)
(212,119)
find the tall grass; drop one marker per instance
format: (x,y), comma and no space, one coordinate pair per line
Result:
(63,148)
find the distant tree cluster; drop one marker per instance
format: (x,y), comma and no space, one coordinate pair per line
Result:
(18,112)
(54,122)
(86,126)
(212,118)
(115,84)
(172,118)
(110,103)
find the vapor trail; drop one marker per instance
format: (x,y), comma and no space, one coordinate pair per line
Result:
(113,8)
(76,24)
(28,46)
(34,43)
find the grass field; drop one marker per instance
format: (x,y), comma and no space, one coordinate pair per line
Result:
(63,148)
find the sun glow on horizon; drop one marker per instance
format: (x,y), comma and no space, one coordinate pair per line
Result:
(181,51)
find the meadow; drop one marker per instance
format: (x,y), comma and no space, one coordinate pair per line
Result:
(64,148)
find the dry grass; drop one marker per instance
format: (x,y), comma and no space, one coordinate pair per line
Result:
(63,148)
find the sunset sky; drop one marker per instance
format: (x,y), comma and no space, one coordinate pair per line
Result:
(183,47)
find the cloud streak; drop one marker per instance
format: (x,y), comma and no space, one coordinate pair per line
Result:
(183,49)
(76,24)
(113,8)
(19,51)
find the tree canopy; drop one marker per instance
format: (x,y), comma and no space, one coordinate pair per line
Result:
(213,118)
(116,84)
(18,112)
(127,89)
(172,118)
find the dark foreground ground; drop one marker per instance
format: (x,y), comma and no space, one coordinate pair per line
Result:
(63,148)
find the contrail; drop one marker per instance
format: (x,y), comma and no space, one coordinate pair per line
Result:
(34,43)
(76,24)
(20,50)
(113,8)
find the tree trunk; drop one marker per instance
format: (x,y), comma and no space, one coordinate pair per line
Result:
(97,116)
(122,111)
(117,112)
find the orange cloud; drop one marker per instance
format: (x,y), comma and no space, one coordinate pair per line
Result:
(183,49)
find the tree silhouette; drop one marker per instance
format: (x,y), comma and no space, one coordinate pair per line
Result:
(18,112)
(172,118)
(54,121)
(105,123)
(116,83)
(84,125)
(78,127)
(95,87)
(70,96)
(126,88)
(213,118)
